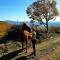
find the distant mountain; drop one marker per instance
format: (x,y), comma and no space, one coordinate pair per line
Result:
(36,23)
(50,23)
(12,22)
(3,22)
(54,23)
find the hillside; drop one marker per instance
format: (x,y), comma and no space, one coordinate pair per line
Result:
(4,27)
(49,49)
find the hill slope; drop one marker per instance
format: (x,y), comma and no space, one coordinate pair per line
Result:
(4,27)
(46,50)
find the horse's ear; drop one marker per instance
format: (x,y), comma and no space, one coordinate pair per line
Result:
(31,30)
(24,23)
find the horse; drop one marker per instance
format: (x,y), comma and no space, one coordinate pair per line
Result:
(26,34)
(20,33)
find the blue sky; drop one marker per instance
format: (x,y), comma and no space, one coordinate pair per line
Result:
(13,9)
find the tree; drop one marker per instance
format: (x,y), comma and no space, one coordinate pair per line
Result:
(43,9)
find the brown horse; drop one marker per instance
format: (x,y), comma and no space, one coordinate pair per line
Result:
(25,34)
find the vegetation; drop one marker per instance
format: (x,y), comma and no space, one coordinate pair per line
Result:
(47,46)
(43,9)
(47,49)
(55,29)
(4,27)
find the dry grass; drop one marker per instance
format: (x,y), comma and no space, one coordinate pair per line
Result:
(46,50)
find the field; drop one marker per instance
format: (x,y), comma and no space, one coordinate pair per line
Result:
(47,48)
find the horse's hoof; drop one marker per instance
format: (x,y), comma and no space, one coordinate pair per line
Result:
(19,53)
(26,52)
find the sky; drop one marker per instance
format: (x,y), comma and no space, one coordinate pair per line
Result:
(16,9)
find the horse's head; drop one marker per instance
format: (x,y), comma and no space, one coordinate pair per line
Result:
(26,27)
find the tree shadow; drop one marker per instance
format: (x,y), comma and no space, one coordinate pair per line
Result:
(10,55)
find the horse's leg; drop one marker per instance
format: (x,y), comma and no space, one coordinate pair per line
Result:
(22,45)
(26,44)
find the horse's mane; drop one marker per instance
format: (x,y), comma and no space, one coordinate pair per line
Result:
(26,27)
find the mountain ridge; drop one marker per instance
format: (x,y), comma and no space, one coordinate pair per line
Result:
(50,23)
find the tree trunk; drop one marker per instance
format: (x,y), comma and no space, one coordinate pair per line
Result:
(46,25)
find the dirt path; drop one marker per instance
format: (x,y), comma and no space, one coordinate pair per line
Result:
(51,53)
(47,50)
(44,51)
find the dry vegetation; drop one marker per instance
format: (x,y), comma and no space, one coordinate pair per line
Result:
(48,48)
(3,28)
(54,29)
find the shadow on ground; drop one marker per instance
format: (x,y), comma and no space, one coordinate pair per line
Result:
(26,57)
(10,55)
(14,54)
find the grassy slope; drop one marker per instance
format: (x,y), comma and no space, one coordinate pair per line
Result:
(47,50)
